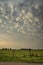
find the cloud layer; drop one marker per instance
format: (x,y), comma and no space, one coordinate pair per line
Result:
(24,18)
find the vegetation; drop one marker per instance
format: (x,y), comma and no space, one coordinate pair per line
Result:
(21,55)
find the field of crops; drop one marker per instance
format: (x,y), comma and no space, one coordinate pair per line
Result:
(21,55)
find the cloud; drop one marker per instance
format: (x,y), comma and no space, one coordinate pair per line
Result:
(18,19)
(25,3)
(0,21)
(38,12)
(22,23)
(25,20)
(36,6)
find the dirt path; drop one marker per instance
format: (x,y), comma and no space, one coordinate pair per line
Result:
(12,63)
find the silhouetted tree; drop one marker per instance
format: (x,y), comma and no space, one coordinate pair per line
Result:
(3,48)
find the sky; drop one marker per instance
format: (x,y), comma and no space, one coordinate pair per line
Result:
(21,24)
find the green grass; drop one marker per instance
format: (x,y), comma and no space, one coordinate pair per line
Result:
(21,55)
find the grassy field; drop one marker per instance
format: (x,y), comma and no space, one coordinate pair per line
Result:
(21,55)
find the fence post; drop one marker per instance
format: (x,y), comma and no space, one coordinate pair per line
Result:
(30,54)
(13,54)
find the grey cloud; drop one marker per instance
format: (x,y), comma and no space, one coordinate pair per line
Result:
(25,4)
(25,22)
(38,12)
(30,21)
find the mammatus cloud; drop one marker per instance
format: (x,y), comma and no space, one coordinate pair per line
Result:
(25,18)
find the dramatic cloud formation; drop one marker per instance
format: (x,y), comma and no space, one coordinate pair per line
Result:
(23,21)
